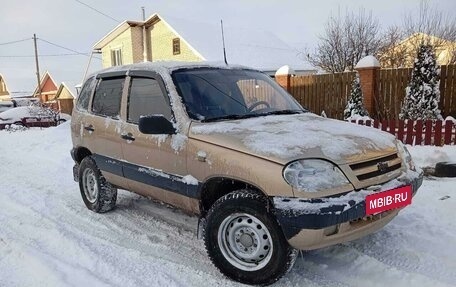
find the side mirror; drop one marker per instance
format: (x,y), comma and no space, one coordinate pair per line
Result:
(155,125)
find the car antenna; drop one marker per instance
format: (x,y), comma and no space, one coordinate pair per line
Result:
(223,41)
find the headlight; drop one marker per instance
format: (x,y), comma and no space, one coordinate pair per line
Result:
(406,157)
(313,175)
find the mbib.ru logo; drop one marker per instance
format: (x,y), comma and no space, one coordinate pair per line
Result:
(387,200)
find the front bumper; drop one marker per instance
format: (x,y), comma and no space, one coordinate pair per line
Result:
(315,223)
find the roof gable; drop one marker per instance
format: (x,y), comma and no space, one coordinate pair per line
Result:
(47,84)
(64,92)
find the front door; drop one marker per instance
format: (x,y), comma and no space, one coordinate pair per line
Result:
(154,165)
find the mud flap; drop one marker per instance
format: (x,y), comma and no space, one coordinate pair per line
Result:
(76,172)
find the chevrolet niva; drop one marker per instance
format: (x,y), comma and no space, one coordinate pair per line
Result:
(265,176)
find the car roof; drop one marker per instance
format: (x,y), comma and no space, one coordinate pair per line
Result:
(161,67)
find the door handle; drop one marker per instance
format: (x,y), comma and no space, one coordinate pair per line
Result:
(89,128)
(128,137)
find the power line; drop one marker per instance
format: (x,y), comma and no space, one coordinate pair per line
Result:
(98,11)
(65,48)
(17,41)
(44,55)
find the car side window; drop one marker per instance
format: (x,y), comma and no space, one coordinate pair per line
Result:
(146,98)
(84,95)
(108,96)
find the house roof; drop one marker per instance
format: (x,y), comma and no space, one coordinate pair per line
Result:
(420,36)
(64,92)
(255,48)
(44,82)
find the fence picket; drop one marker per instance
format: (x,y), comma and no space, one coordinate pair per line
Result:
(418,132)
(409,133)
(427,132)
(392,127)
(448,131)
(376,124)
(400,131)
(438,133)
(384,125)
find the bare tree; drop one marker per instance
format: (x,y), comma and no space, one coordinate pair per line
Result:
(346,40)
(391,53)
(424,26)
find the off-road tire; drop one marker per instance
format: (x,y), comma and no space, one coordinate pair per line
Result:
(255,204)
(445,169)
(107,194)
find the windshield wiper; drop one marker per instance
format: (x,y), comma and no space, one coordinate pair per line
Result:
(230,117)
(253,115)
(282,112)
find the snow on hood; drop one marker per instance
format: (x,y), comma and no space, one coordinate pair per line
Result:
(284,138)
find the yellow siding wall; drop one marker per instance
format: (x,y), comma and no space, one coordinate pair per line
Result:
(3,90)
(162,45)
(124,42)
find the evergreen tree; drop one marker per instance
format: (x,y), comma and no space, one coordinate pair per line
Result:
(355,105)
(423,94)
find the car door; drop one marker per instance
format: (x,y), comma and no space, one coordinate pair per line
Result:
(154,164)
(103,126)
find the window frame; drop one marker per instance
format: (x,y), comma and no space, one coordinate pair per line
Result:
(147,75)
(84,87)
(176,46)
(100,79)
(116,57)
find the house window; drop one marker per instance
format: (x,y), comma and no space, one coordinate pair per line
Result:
(176,46)
(116,57)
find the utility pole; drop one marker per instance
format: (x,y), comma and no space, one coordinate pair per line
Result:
(144,34)
(37,66)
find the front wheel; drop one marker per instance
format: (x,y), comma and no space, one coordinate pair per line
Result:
(244,241)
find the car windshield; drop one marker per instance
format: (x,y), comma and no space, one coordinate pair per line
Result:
(211,94)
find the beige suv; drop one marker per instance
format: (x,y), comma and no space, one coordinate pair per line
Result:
(265,176)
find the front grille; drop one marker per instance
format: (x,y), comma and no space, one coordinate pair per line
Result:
(376,167)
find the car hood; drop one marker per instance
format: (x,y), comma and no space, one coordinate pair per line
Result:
(284,138)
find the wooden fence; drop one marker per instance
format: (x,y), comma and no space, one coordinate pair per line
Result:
(325,92)
(419,132)
(393,82)
(329,92)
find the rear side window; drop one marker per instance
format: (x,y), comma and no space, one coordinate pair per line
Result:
(84,95)
(107,98)
(146,98)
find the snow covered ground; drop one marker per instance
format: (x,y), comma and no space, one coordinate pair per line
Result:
(49,238)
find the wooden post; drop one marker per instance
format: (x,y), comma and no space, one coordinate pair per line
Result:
(283,77)
(37,67)
(368,68)
(284,81)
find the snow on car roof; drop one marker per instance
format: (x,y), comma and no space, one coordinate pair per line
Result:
(15,114)
(166,67)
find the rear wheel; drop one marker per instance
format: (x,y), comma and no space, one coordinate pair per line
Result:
(244,241)
(97,194)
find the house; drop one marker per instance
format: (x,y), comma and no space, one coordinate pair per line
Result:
(64,99)
(4,93)
(157,39)
(404,53)
(47,89)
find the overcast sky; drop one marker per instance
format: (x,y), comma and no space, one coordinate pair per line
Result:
(72,25)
